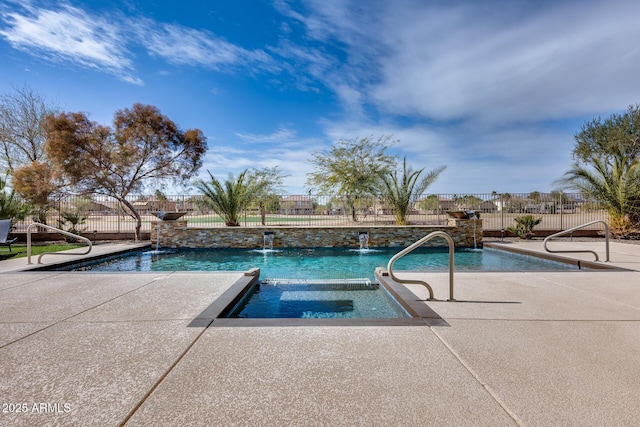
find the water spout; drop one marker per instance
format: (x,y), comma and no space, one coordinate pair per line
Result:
(160,216)
(474,217)
(363,238)
(268,240)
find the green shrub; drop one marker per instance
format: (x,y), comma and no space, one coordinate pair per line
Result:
(524,226)
(73,222)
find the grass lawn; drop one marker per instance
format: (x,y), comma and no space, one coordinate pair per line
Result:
(20,250)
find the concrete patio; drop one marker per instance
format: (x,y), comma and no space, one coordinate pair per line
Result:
(524,348)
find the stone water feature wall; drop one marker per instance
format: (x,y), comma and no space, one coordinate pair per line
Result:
(175,234)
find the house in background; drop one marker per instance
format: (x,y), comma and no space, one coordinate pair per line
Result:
(435,204)
(152,206)
(488,206)
(296,205)
(99,208)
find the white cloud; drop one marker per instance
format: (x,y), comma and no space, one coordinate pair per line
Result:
(186,46)
(282,134)
(308,66)
(340,51)
(281,148)
(486,61)
(474,61)
(70,35)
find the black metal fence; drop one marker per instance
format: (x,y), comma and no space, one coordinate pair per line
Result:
(105,214)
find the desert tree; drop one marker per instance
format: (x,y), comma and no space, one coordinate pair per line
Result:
(615,136)
(143,147)
(22,134)
(467,201)
(268,182)
(429,203)
(351,169)
(535,196)
(36,182)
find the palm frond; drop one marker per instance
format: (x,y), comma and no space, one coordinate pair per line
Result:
(399,192)
(229,198)
(614,182)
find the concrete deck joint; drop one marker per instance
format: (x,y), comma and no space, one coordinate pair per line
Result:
(162,377)
(479,380)
(79,313)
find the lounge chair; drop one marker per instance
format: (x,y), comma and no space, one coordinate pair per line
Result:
(5,228)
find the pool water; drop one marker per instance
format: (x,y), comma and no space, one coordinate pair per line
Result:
(318,300)
(319,263)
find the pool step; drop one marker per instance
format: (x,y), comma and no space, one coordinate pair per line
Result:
(335,284)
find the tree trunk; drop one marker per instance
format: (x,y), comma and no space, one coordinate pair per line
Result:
(135,215)
(351,202)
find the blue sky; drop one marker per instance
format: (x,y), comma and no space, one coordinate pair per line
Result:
(494,90)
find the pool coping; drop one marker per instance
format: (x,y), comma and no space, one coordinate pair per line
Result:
(214,314)
(92,256)
(592,265)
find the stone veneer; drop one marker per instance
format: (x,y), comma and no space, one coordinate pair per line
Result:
(176,234)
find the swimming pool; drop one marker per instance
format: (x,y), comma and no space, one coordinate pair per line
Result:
(321,300)
(318,263)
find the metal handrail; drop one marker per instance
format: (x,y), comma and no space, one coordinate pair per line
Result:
(66,233)
(416,245)
(571,230)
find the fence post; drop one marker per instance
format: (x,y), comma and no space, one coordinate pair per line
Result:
(309,213)
(501,212)
(561,222)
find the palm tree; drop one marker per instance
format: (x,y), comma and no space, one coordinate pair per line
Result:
(615,184)
(399,192)
(229,198)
